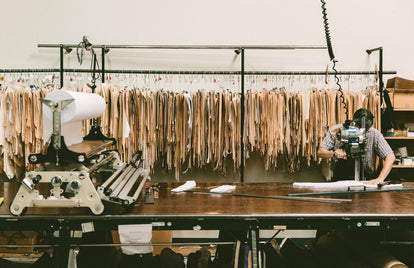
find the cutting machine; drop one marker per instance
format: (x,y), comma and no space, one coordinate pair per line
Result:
(69,174)
(355,144)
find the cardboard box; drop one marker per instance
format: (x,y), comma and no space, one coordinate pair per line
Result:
(401,99)
(400,84)
(404,100)
(17,238)
(400,133)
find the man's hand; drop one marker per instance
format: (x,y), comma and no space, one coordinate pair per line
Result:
(372,182)
(340,154)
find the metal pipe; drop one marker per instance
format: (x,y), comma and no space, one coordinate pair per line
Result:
(29,70)
(119,184)
(381,82)
(120,244)
(103,64)
(380,71)
(114,175)
(153,244)
(242,117)
(111,188)
(61,66)
(128,185)
(191,72)
(369,51)
(141,185)
(232,47)
(293,198)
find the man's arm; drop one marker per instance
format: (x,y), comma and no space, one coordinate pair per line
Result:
(388,162)
(384,151)
(338,153)
(328,144)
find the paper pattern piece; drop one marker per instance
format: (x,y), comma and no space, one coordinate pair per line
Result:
(223,189)
(185,187)
(135,234)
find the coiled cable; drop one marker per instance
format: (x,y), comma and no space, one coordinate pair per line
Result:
(332,56)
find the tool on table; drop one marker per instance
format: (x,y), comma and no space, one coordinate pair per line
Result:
(308,199)
(149,195)
(382,184)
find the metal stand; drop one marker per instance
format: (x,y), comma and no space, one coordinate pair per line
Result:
(254,245)
(381,72)
(61,253)
(57,151)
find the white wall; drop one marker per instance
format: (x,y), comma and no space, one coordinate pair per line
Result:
(355,26)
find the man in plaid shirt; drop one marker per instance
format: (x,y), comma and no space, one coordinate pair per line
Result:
(343,168)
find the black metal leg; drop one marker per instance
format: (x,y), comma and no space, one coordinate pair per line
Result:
(61,254)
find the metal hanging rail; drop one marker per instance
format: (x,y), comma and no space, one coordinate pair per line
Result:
(68,47)
(68,70)
(238,49)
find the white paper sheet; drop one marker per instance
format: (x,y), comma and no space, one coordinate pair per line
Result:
(343,185)
(135,233)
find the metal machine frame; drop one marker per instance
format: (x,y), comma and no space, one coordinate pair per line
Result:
(69,173)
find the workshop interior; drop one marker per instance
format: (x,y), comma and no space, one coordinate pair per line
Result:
(207,134)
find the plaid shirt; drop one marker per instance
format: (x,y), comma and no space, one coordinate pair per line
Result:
(375,144)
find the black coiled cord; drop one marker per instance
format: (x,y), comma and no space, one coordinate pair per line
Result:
(327,34)
(332,56)
(341,95)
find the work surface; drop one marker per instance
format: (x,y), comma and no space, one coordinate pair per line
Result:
(390,207)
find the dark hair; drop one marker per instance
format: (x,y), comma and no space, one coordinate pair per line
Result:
(359,114)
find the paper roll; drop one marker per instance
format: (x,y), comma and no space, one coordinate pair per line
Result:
(85,106)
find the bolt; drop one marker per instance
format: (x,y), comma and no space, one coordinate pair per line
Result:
(81,158)
(33,158)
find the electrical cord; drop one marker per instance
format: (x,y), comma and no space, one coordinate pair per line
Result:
(332,56)
(80,48)
(341,95)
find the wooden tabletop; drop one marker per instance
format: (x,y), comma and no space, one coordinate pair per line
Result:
(204,205)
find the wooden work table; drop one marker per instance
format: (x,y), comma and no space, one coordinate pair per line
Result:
(193,211)
(183,210)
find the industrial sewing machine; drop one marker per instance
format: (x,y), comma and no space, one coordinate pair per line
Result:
(355,144)
(68,173)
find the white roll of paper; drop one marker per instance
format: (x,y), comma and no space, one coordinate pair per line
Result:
(85,106)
